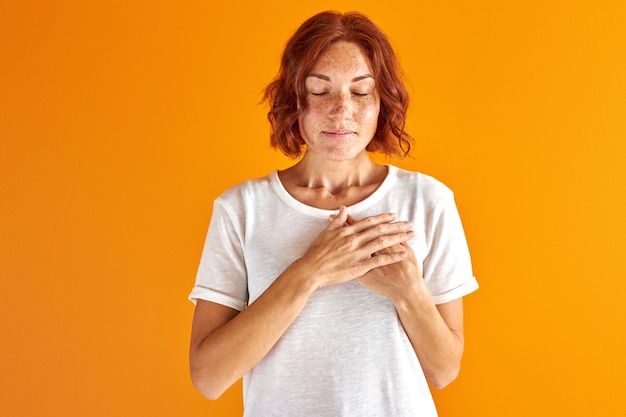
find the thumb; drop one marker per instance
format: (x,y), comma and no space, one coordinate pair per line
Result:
(339,219)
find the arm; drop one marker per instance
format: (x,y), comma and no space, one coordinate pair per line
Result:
(435,332)
(226,344)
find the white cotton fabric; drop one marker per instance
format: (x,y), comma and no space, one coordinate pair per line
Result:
(347,353)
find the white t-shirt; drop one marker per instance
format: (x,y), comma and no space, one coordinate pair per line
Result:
(347,353)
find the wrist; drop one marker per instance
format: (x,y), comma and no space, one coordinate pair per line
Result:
(414,296)
(303,276)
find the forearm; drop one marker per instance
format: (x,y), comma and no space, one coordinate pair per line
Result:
(438,346)
(232,349)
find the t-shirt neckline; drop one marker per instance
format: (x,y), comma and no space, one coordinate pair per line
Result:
(284,195)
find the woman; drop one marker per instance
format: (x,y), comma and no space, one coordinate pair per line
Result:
(334,287)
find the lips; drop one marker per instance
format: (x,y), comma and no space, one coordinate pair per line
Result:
(339,134)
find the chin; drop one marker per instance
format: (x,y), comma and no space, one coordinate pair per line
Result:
(344,156)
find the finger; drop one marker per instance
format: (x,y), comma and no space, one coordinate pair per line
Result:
(371,222)
(381,244)
(383,259)
(339,219)
(410,253)
(400,247)
(379,231)
(351,220)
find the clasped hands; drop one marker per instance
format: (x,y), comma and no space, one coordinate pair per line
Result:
(373,250)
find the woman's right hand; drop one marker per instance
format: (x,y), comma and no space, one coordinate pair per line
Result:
(342,251)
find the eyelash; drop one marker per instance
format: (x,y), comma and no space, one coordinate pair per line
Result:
(356,94)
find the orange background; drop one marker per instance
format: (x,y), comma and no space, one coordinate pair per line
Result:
(120,122)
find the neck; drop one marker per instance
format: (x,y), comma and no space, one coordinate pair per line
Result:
(336,176)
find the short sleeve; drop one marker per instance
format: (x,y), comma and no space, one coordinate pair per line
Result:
(447,266)
(222,276)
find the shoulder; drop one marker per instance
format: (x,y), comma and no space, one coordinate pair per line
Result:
(246,191)
(421,186)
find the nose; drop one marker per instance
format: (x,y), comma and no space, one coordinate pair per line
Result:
(341,106)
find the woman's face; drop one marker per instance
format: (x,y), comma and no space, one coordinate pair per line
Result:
(342,104)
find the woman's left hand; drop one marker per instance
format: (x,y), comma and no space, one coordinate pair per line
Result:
(396,280)
(435,332)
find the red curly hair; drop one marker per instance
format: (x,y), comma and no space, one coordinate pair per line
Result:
(300,54)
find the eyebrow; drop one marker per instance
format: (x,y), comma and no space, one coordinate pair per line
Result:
(327,78)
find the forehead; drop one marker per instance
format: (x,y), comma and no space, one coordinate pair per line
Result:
(343,57)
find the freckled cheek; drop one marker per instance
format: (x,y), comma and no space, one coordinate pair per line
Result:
(317,107)
(310,121)
(313,116)
(309,114)
(368,111)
